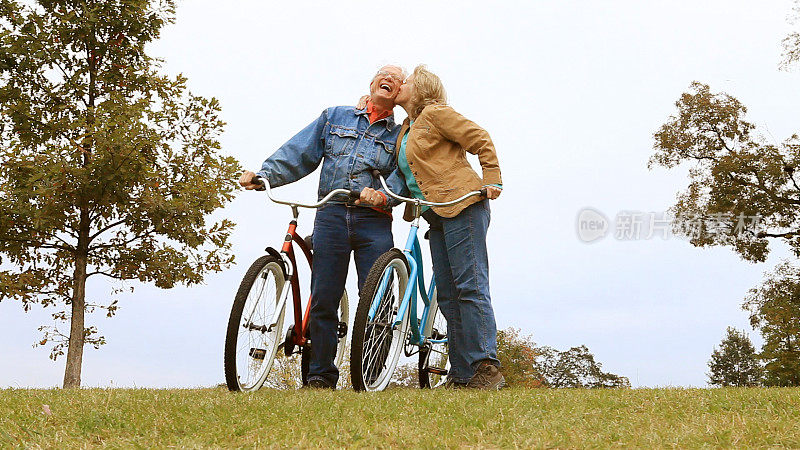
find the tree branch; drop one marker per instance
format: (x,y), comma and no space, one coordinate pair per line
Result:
(122,244)
(104,229)
(65,242)
(760,186)
(99,272)
(791,177)
(763,234)
(39,244)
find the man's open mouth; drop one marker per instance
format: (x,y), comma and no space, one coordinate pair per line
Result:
(386,87)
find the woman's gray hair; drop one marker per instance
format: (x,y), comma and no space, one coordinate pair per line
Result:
(428,90)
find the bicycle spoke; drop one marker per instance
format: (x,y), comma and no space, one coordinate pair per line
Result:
(256,333)
(379,334)
(376,341)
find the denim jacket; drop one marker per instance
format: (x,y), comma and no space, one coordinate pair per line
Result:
(349,148)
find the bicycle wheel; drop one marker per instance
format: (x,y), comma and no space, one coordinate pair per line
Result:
(433,360)
(344,324)
(377,343)
(255,325)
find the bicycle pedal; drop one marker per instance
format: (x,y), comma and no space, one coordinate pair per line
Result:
(437,370)
(341,330)
(258,353)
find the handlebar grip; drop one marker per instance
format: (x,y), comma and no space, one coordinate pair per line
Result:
(376,173)
(354,195)
(484,193)
(258,180)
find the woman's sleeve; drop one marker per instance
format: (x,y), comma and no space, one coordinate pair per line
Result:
(472,138)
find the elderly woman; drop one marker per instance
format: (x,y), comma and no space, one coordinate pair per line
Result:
(432,144)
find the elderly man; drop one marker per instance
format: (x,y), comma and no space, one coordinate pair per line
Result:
(349,143)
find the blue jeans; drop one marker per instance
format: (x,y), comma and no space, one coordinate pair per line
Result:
(461,269)
(338,230)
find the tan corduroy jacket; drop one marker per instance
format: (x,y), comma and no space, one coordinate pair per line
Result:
(436,153)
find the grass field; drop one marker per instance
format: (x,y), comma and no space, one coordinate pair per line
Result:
(401,418)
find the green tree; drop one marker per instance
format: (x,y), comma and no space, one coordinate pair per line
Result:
(576,368)
(526,364)
(742,191)
(791,43)
(735,362)
(108,168)
(517,354)
(775,311)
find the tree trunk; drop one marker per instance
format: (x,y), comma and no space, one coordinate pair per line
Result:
(77,338)
(72,372)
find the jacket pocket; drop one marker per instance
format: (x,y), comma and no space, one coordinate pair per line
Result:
(341,140)
(383,156)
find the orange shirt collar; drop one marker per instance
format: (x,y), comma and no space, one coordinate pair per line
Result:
(374,115)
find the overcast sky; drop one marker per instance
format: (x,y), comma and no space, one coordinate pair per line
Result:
(571,92)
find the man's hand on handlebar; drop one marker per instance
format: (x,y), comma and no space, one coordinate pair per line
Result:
(371,197)
(246,181)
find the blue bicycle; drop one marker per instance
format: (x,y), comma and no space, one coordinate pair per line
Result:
(386,321)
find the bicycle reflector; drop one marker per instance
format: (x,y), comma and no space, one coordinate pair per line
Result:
(258,353)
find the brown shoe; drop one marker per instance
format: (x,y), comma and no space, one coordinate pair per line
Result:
(487,377)
(453,384)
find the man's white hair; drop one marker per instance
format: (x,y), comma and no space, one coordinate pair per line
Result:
(402,69)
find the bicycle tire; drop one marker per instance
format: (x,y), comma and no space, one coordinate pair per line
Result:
(262,267)
(363,377)
(344,323)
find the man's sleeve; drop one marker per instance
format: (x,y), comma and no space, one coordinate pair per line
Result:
(397,183)
(299,156)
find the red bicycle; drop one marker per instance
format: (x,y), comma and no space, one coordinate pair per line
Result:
(255,328)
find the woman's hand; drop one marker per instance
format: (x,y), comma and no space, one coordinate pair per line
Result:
(362,102)
(492,192)
(371,197)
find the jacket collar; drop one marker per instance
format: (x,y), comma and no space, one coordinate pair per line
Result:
(403,129)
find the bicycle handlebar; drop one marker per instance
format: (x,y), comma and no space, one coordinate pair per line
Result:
(352,195)
(378,175)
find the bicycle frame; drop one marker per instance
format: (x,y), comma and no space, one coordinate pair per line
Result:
(416,282)
(416,279)
(287,255)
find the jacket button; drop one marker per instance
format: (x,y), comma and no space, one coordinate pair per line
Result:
(426,192)
(411,163)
